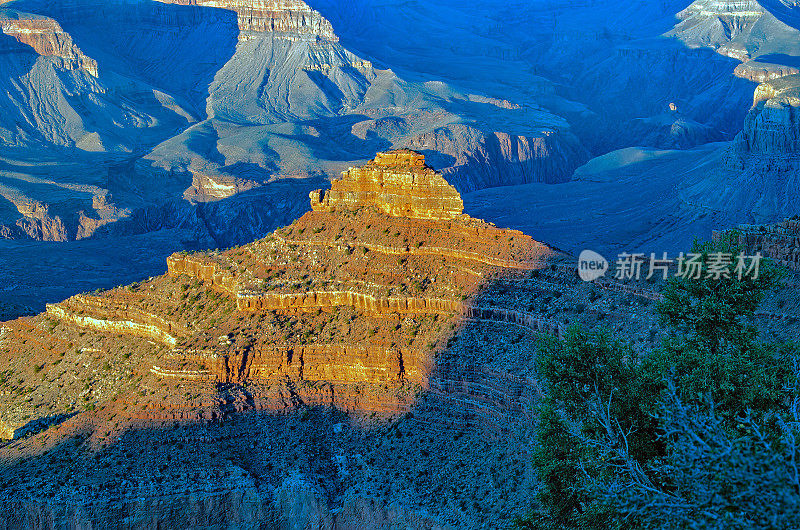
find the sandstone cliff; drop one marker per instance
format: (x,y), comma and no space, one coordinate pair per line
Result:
(771,127)
(288,18)
(397,183)
(43,36)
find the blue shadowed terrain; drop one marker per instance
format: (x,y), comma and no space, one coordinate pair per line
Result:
(129,118)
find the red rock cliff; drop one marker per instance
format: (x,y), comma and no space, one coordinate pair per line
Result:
(397,183)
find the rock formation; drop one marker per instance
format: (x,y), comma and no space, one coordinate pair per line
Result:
(286,18)
(333,373)
(398,183)
(772,127)
(779,242)
(486,159)
(352,308)
(43,36)
(763,34)
(721,24)
(386,252)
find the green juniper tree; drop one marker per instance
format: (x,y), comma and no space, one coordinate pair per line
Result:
(717,348)
(679,437)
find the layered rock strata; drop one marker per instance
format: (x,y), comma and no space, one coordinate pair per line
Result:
(315,362)
(720,24)
(386,254)
(398,183)
(772,127)
(288,17)
(105,315)
(43,36)
(350,313)
(779,242)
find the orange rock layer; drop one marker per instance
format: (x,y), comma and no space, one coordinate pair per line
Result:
(347,306)
(338,364)
(398,183)
(103,314)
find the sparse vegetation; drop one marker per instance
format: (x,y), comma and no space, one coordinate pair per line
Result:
(654,440)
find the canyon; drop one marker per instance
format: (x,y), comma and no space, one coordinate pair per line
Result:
(333,373)
(290,264)
(196,125)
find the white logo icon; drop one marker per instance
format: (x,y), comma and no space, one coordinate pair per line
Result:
(591,265)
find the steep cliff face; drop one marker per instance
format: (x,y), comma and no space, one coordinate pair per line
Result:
(779,242)
(754,180)
(772,126)
(45,37)
(398,183)
(476,159)
(291,18)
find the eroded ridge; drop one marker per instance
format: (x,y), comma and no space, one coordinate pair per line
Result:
(117,316)
(44,36)
(779,242)
(350,306)
(398,183)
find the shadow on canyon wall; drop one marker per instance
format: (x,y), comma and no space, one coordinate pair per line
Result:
(176,48)
(235,464)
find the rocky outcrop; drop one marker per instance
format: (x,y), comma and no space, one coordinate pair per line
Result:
(364,303)
(779,242)
(202,269)
(43,36)
(472,159)
(761,34)
(534,323)
(337,364)
(441,252)
(106,316)
(772,127)
(287,18)
(397,183)
(209,272)
(763,72)
(37,221)
(672,130)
